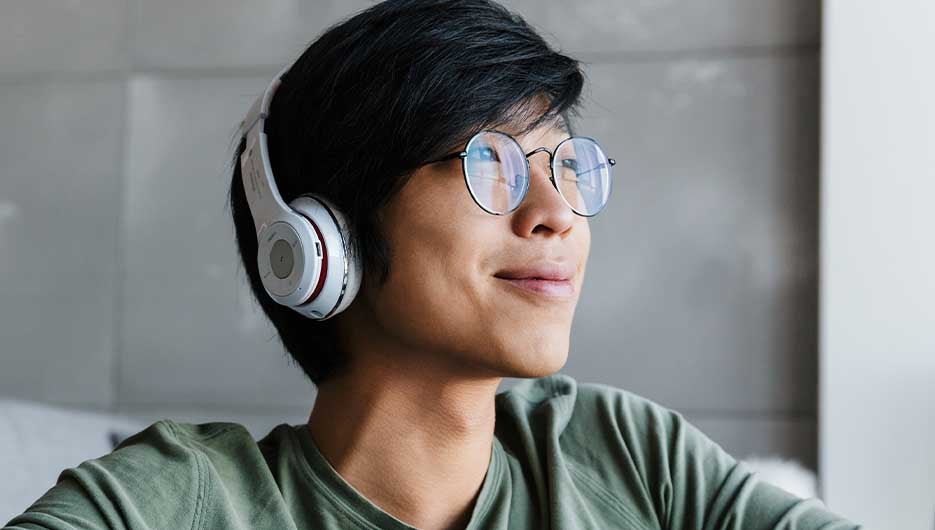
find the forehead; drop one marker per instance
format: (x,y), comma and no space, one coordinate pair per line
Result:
(547,134)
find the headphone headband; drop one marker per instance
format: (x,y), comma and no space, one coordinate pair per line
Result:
(266,203)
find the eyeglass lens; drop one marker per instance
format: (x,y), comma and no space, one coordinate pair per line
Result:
(497,173)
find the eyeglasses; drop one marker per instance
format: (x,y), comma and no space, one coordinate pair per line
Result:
(496,172)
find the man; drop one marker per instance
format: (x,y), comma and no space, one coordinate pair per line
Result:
(438,131)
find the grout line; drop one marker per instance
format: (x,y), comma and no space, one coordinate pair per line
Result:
(676,55)
(221,72)
(129,25)
(119,239)
(124,74)
(119,246)
(722,414)
(588,57)
(595,56)
(25,78)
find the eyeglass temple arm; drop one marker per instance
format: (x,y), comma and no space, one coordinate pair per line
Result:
(460,154)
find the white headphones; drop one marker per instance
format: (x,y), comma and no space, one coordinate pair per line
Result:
(303,251)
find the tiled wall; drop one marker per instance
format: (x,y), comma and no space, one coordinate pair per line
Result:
(119,283)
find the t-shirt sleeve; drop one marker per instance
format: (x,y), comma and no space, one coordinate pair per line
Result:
(150,480)
(706,488)
(694,484)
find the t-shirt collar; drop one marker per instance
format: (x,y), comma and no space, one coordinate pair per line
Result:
(316,468)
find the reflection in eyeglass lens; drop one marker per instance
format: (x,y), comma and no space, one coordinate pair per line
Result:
(495,169)
(582,175)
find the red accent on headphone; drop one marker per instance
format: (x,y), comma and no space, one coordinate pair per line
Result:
(324,263)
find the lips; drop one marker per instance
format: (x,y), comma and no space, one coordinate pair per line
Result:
(541,271)
(549,279)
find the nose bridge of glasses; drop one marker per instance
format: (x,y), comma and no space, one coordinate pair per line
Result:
(548,168)
(539,150)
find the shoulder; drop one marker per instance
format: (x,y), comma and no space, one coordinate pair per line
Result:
(613,444)
(203,455)
(158,477)
(195,438)
(608,431)
(163,450)
(162,471)
(611,421)
(646,456)
(626,416)
(582,405)
(177,450)
(172,433)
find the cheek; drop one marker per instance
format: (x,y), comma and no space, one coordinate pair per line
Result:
(440,295)
(436,289)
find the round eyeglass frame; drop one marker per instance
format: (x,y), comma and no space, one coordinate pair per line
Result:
(463,156)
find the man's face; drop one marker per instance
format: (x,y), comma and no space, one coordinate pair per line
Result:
(448,292)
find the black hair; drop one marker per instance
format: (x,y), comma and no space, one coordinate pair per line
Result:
(376,96)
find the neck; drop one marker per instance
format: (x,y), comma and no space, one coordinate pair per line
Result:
(411,432)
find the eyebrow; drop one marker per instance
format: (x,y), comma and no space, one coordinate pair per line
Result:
(560,123)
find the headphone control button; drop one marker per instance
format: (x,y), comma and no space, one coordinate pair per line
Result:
(281,259)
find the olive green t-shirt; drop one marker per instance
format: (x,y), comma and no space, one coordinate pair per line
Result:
(566,455)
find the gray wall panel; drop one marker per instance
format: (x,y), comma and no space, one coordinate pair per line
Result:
(265,33)
(192,333)
(59,203)
(186,34)
(700,289)
(52,36)
(745,437)
(639,27)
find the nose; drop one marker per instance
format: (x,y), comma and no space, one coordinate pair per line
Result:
(543,211)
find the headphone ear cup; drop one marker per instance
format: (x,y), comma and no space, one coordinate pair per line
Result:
(354,264)
(341,268)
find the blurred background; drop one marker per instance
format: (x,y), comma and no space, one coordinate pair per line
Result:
(787,316)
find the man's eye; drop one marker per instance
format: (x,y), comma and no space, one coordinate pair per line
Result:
(570,163)
(486,153)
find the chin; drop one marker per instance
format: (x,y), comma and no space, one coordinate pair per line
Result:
(541,370)
(532,362)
